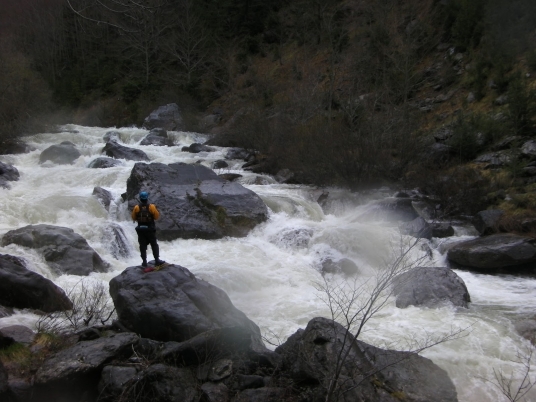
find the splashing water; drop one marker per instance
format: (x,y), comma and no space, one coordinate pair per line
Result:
(271,273)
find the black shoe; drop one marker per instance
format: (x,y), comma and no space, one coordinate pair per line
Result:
(143,264)
(159,262)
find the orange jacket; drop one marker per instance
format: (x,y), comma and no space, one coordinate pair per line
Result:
(152,210)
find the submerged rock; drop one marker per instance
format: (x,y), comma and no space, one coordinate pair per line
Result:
(64,250)
(103,163)
(8,173)
(194,202)
(430,287)
(63,154)
(22,288)
(502,250)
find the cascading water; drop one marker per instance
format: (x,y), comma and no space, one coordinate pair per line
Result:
(271,273)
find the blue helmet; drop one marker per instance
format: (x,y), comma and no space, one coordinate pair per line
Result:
(144,196)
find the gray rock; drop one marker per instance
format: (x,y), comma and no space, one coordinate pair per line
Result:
(527,329)
(84,358)
(195,148)
(298,238)
(114,150)
(219,164)
(104,197)
(18,333)
(103,163)
(112,136)
(220,369)
(501,100)
(14,147)
(8,173)
(230,176)
(64,250)
(238,153)
(430,287)
(367,373)
(506,143)
(267,394)
(114,379)
(442,229)
(160,382)
(63,154)
(194,202)
(284,176)
(344,266)
(495,159)
(167,117)
(471,97)
(486,222)
(529,149)
(158,137)
(117,241)
(173,305)
(417,228)
(215,392)
(495,251)
(22,288)
(424,209)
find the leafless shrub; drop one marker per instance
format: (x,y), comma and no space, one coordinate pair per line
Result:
(91,305)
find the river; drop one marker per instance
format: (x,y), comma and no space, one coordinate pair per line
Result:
(272,274)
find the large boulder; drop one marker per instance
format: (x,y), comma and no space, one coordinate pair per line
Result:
(173,305)
(8,173)
(495,251)
(194,202)
(75,370)
(117,151)
(63,154)
(487,222)
(158,137)
(167,117)
(65,251)
(312,356)
(430,287)
(417,228)
(22,288)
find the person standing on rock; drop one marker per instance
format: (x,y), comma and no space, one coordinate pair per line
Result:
(145,215)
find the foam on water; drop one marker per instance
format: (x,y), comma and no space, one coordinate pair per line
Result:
(273,273)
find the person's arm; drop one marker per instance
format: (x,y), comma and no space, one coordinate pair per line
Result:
(154,211)
(135,212)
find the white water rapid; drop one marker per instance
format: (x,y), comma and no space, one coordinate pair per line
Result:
(270,274)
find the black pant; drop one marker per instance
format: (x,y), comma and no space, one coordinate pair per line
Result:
(146,237)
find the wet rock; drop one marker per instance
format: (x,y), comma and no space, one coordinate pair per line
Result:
(14,147)
(237,153)
(284,176)
(5,311)
(104,163)
(293,238)
(104,197)
(64,250)
(85,359)
(63,154)
(219,164)
(528,149)
(230,176)
(167,117)
(117,241)
(113,381)
(344,266)
(194,202)
(417,228)
(177,305)
(8,173)
(114,150)
(215,392)
(430,287)
(487,222)
(442,229)
(527,329)
(424,209)
(367,373)
(22,288)
(112,136)
(495,251)
(158,137)
(195,148)
(18,333)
